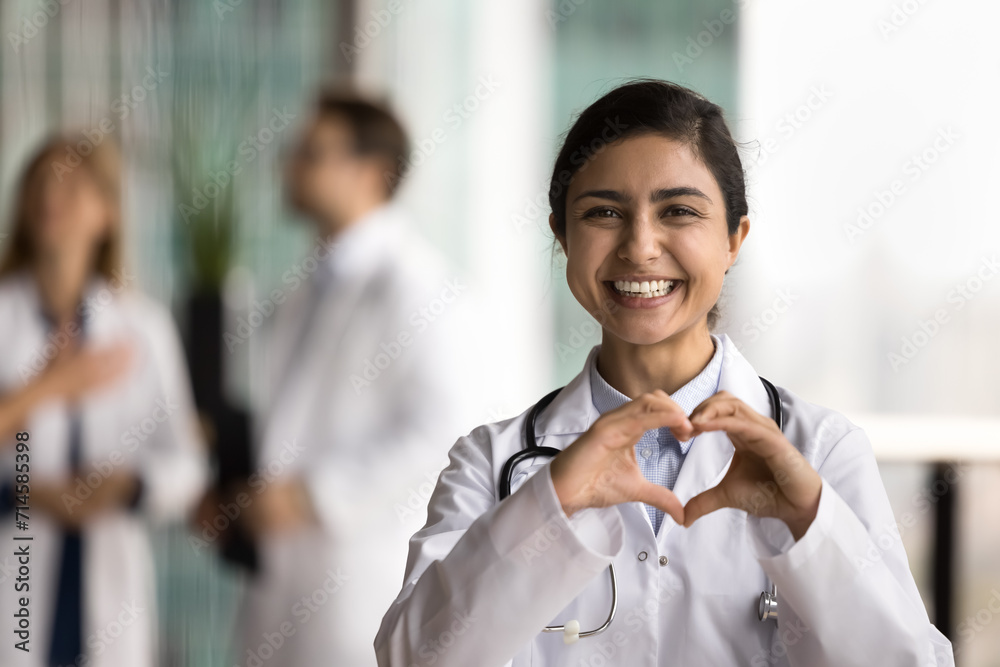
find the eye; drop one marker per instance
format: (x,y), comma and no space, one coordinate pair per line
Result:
(601,212)
(679,210)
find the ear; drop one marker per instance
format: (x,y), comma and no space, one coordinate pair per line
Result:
(736,240)
(555,232)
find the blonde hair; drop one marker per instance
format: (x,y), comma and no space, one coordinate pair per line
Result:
(63,153)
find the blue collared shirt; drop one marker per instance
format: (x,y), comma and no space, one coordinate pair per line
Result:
(659,453)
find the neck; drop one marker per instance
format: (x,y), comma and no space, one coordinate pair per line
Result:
(61,278)
(335,225)
(668,365)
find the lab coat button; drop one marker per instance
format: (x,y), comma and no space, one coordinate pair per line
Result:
(642,555)
(663,560)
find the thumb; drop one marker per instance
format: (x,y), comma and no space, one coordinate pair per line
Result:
(662,498)
(704,503)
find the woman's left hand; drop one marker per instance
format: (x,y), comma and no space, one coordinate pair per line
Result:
(768,476)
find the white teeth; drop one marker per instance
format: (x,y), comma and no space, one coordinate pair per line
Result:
(645,289)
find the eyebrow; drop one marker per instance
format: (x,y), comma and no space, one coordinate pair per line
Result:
(657,196)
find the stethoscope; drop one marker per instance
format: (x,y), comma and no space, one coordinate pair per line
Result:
(767,608)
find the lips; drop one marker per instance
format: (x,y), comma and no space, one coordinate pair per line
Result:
(646,289)
(644,298)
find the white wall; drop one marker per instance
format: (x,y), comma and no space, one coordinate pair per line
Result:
(893,86)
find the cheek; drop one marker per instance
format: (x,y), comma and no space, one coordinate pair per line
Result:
(703,260)
(91,217)
(337,180)
(584,258)
(314,186)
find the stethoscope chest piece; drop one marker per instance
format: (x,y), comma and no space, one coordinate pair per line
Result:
(767,609)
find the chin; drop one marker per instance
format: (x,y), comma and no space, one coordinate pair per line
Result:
(647,333)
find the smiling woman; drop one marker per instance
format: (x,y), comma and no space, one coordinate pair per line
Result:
(667,444)
(649,110)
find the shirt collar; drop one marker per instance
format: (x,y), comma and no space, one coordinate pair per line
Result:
(358,248)
(94,298)
(703,385)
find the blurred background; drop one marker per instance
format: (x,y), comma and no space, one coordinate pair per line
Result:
(866,283)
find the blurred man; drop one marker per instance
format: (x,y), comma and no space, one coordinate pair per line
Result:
(364,399)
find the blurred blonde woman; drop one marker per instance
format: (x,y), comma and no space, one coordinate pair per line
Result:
(92,377)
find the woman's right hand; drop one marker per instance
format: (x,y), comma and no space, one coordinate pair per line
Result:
(77,371)
(72,373)
(599,469)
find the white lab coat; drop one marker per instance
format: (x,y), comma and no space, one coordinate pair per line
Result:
(484,577)
(367,420)
(153,397)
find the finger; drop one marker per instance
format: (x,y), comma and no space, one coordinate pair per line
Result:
(662,498)
(763,439)
(648,412)
(121,357)
(657,400)
(704,503)
(720,403)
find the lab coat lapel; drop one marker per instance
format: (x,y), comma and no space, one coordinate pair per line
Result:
(571,412)
(309,367)
(708,459)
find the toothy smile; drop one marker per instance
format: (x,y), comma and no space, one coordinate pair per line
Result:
(646,289)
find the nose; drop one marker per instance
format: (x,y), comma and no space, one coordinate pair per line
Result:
(641,242)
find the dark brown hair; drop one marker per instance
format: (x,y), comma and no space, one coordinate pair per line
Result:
(375,129)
